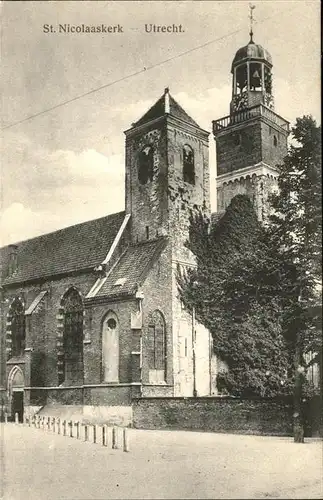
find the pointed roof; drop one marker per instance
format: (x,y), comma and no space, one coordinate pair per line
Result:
(166,105)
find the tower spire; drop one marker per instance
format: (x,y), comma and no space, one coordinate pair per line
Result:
(251,9)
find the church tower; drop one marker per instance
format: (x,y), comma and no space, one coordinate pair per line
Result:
(167,174)
(252,139)
(167,179)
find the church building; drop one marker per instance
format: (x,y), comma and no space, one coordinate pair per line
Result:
(90,314)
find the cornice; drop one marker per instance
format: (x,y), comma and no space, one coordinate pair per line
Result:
(259,169)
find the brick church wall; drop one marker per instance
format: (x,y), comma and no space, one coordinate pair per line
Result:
(215,414)
(239,148)
(185,197)
(147,203)
(41,325)
(92,349)
(158,295)
(273,154)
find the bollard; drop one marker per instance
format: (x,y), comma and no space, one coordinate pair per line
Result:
(86,432)
(77,424)
(6,418)
(94,433)
(71,428)
(16,418)
(114,438)
(125,440)
(24,418)
(104,435)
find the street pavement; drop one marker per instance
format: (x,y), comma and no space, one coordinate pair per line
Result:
(37,464)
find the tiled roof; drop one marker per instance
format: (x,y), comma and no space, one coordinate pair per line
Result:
(158,110)
(132,268)
(82,246)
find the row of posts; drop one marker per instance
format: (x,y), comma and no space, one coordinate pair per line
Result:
(114,437)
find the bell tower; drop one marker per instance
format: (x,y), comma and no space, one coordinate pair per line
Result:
(252,139)
(167,174)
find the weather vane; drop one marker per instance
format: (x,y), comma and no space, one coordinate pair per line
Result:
(251,8)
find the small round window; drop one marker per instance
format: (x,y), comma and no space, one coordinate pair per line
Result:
(112,324)
(146,164)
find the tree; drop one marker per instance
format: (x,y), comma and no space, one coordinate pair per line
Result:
(295,234)
(232,294)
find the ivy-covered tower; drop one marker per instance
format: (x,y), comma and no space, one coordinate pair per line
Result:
(252,139)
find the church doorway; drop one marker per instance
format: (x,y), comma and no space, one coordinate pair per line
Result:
(16,383)
(17,404)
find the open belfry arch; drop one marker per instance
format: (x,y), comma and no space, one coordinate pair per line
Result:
(91,314)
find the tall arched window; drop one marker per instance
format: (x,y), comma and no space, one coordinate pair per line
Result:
(146,164)
(18,329)
(72,305)
(156,348)
(110,348)
(188,164)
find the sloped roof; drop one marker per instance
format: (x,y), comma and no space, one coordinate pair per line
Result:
(158,110)
(82,246)
(132,268)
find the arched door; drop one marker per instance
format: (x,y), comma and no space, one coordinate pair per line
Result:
(16,383)
(110,348)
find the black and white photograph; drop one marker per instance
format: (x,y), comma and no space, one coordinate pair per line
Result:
(160,250)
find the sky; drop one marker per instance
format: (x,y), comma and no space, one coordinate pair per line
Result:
(66,165)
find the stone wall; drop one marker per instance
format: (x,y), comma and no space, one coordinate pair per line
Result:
(221,414)
(238,147)
(274,144)
(183,197)
(147,203)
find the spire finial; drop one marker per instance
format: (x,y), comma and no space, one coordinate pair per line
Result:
(166,100)
(251,9)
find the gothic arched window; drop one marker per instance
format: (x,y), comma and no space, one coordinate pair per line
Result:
(18,330)
(188,164)
(157,347)
(146,164)
(72,337)
(110,348)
